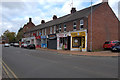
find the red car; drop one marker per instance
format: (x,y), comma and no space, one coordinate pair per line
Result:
(109,44)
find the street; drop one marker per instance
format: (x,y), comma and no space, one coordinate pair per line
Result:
(26,63)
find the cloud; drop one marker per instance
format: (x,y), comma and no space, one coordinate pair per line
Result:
(15,13)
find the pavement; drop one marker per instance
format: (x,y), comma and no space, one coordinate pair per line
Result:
(99,53)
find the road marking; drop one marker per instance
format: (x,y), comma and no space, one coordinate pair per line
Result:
(10,70)
(5,71)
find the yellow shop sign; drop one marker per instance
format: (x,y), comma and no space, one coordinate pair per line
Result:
(77,34)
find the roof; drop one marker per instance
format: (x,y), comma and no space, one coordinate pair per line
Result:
(77,15)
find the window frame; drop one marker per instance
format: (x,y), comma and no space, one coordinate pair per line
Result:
(42,31)
(81,24)
(45,31)
(59,28)
(74,26)
(65,26)
(50,30)
(54,29)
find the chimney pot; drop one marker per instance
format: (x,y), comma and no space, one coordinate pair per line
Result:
(54,17)
(30,19)
(73,10)
(42,21)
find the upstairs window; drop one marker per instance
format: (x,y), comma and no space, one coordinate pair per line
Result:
(45,31)
(50,30)
(59,28)
(81,24)
(64,27)
(54,29)
(42,31)
(74,25)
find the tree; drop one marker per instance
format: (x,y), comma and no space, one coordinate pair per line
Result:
(19,34)
(10,36)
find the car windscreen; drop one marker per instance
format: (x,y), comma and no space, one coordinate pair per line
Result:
(115,42)
(107,42)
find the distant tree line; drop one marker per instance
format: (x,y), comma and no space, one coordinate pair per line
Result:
(12,37)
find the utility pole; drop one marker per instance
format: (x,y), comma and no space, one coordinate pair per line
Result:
(91,28)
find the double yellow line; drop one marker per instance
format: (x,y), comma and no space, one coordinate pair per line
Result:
(6,69)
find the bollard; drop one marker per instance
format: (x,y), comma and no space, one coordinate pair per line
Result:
(80,48)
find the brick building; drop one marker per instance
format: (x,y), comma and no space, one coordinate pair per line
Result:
(73,31)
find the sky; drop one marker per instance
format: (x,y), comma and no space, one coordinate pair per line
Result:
(15,13)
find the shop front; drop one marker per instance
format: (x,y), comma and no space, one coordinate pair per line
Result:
(38,41)
(52,41)
(43,41)
(62,41)
(79,40)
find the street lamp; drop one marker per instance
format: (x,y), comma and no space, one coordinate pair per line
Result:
(91,28)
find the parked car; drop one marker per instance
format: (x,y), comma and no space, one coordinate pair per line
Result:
(11,44)
(16,45)
(6,45)
(109,44)
(24,45)
(116,48)
(31,46)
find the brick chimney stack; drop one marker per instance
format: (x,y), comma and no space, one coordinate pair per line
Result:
(54,17)
(30,19)
(42,21)
(73,10)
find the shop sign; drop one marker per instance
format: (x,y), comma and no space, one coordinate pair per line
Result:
(52,36)
(62,35)
(43,37)
(77,34)
(38,37)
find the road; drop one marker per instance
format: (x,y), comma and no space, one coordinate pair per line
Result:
(27,63)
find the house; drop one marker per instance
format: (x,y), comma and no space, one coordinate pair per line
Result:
(27,28)
(75,30)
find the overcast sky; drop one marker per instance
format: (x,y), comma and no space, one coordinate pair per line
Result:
(16,13)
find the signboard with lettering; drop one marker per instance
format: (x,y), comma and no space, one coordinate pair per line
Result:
(74,34)
(52,36)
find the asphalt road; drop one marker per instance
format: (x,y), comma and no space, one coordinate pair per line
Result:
(27,63)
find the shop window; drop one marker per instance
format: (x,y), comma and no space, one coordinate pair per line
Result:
(50,30)
(64,27)
(74,25)
(59,28)
(76,42)
(83,41)
(54,29)
(63,41)
(81,24)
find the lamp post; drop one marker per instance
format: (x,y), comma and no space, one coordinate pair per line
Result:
(91,28)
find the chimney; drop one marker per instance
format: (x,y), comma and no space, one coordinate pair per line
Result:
(54,17)
(30,19)
(42,21)
(105,1)
(73,10)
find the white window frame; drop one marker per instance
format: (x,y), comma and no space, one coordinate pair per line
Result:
(50,30)
(54,29)
(45,31)
(81,23)
(42,31)
(74,25)
(59,28)
(65,27)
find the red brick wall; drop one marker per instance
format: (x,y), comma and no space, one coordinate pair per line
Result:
(105,26)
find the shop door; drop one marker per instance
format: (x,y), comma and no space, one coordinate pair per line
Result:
(52,44)
(69,40)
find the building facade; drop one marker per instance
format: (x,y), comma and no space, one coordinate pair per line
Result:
(73,31)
